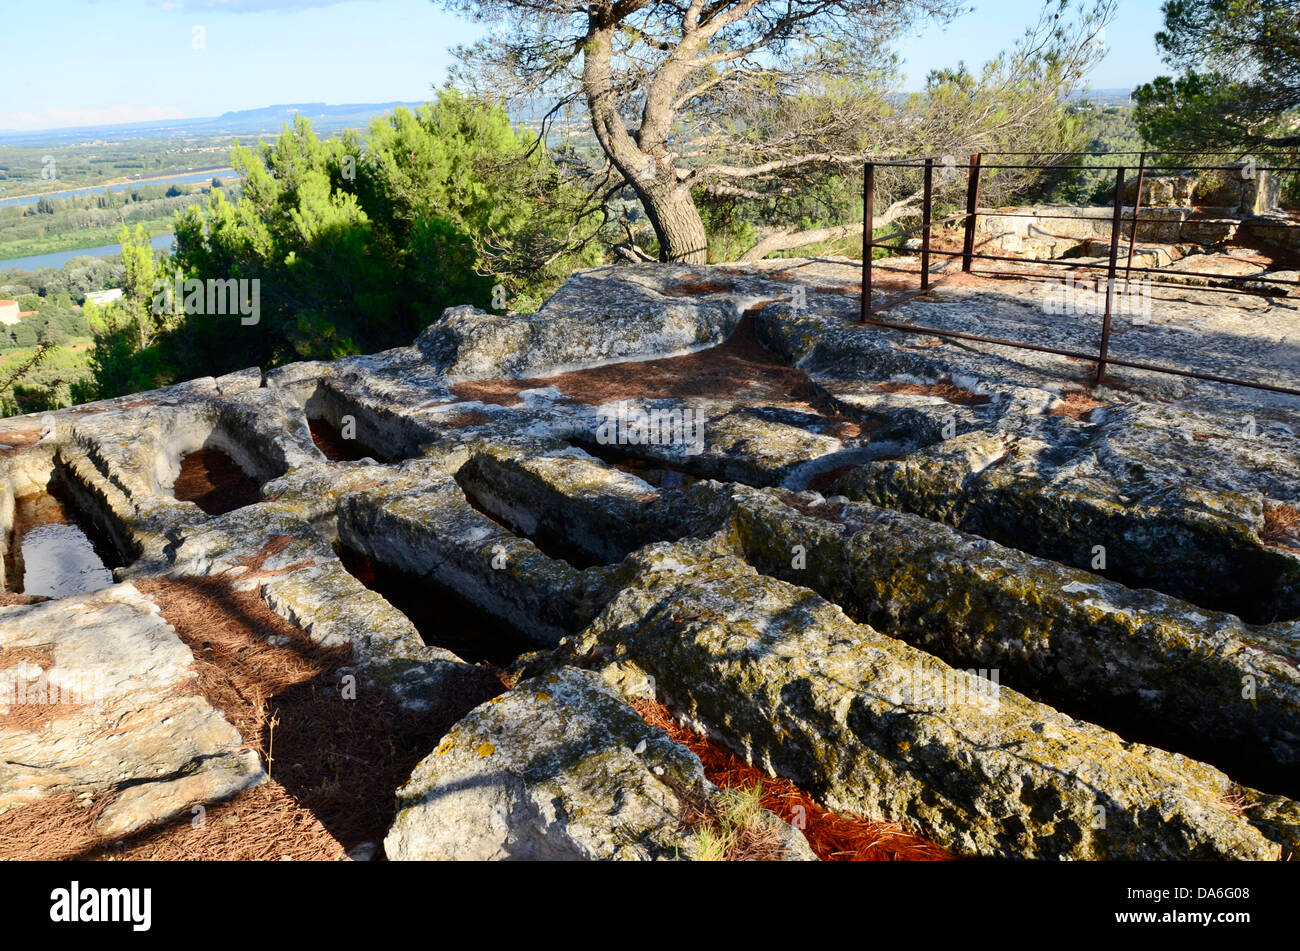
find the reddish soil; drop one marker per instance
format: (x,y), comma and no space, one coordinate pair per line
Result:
(210,479)
(334,760)
(18,439)
(230,634)
(339,758)
(903,273)
(10,598)
(1076,404)
(945,389)
(824,482)
(739,368)
(334,446)
(263,824)
(42,655)
(40,508)
(1281,527)
(53,827)
(471,418)
(1264,255)
(835,838)
(238,673)
(908,267)
(44,702)
(328,440)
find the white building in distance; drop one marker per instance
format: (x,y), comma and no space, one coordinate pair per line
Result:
(101,298)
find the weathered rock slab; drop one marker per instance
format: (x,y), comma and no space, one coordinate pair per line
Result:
(605,315)
(1199,681)
(560,768)
(100,698)
(878,728)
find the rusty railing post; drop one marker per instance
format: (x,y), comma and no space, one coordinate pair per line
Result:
(1110,270)
(972,203)
(926,205)
(868,216)
(1137,206)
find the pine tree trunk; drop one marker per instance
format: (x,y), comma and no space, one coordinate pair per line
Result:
(677,223)
(667,203)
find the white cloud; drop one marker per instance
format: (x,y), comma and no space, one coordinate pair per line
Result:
(57,117)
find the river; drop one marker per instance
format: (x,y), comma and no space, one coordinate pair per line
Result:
(60,258)
(187,178)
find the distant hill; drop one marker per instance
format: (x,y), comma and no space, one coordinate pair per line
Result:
(267,120)
(1107,97)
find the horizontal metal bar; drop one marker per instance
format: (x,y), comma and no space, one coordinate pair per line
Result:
(921,227)
(1044,277)
(919,165)
(1221,168)
(1158,168)
(898,158)
(992,213)
(1164,278)
(1092,358)
(1068,262)
(1283,169)
(985,213)
(1158,283)
(1155,152)
(1058,168)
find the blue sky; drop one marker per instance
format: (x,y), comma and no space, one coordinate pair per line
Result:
(81,62)
(977,36)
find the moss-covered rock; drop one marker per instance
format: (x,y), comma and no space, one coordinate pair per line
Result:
(559,768)
(879,728)
(568,500)
(1197,681)
(432,531)
(1132,492)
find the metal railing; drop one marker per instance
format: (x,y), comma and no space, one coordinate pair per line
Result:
(969,254)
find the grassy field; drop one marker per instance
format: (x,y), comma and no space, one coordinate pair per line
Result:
(24,169)
(71,222)
(51,385)
(69,356)
(73,240)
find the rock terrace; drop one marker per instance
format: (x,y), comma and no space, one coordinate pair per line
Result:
(940,584)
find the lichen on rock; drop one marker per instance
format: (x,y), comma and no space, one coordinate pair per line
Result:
(876,727)
(558,769)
